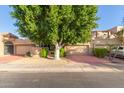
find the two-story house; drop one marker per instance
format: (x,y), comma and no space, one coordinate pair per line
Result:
(106,38)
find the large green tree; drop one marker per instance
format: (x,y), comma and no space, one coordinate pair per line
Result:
(58,25)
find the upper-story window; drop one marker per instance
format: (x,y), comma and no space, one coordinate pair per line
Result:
(105,35)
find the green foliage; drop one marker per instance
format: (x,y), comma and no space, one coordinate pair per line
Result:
(28,54)
(63,24)
(44,53)
(100,52)
(55,24)
(62,52)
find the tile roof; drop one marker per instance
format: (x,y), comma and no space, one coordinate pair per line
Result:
(23,41)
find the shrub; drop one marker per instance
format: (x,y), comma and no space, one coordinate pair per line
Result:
(62,52)
(100,52)
(44,53)
(28,54)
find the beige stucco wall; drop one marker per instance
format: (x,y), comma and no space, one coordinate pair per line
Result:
(102,34)
(1,46)
(119,28)
(78,49)
(35,50)
(103,43)
(106,41)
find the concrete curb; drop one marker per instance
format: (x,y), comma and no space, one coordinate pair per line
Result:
(79,69)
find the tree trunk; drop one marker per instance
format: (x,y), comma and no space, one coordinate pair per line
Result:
(57,52)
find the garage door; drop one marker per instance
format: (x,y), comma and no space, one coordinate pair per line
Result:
(22,50)
(77,49)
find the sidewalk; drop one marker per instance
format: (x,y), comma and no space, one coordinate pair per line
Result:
(48,65)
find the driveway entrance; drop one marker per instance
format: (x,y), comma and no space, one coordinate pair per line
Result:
(86,59)
(8,59)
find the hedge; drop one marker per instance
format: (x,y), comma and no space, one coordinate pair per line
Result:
(100,52)
(44,52)
(62,52)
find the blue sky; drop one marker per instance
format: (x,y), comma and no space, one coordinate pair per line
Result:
(6,21)
(110,16)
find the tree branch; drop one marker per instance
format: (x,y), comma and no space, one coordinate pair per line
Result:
(60,41)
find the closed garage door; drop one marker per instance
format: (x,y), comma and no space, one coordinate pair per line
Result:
(77,49)
(22,50)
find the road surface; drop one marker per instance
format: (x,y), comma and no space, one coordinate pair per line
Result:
(61,80)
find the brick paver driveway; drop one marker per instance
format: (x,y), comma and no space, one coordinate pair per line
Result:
(9,58)
(75,63)
(87,59)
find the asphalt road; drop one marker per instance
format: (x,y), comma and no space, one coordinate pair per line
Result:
(61,80)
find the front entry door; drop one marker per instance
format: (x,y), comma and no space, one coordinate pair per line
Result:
(8,49)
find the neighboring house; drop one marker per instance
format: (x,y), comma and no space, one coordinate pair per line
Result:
(106,38)
(11,44)
(100,39)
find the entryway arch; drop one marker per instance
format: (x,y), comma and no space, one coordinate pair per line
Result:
(8,48)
